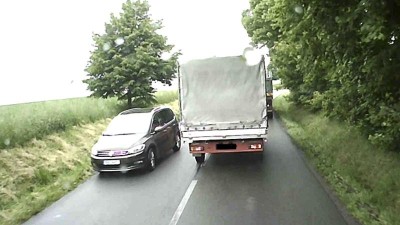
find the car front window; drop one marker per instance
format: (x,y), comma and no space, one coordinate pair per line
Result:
(128,124)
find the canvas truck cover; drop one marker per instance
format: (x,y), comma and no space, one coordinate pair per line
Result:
(222,90)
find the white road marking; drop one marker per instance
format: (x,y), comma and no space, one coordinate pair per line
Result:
(183,202)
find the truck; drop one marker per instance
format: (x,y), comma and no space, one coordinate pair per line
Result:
(223,105)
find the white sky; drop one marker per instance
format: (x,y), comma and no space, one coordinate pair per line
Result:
(45,44)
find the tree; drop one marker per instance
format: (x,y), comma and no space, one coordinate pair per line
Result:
(128,57)
(342,57)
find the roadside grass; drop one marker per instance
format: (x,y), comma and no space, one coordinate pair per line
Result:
(23,122)
(366,179)
(164,97)
(33,177)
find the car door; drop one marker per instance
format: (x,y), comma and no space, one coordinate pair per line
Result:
(169,128)
(174,126)
(160,137)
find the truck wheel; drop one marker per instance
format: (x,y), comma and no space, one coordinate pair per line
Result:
(270,115)
(200,159)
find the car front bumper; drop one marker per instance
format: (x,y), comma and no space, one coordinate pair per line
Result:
(126,163)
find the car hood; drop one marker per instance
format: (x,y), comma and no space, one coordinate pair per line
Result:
(118,142)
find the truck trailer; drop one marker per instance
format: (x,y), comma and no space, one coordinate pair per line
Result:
(223,106)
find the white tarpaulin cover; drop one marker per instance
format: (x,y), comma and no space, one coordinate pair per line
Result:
(222,90)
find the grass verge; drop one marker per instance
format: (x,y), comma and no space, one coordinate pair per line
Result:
(164,97)
(366,179)
(33,177)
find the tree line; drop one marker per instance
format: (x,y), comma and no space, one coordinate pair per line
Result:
(341,57)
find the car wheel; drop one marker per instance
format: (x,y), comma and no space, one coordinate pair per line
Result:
(151,160)
(200,159)
(178,142)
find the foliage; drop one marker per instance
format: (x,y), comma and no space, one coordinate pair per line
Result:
(367,180)
(23,122)
(339,56)
(128,57)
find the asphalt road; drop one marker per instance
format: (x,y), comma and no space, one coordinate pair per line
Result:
(276,187)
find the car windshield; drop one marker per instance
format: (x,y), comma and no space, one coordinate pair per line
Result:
(128,124)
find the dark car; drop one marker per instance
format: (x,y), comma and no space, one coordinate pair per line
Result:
(136,138)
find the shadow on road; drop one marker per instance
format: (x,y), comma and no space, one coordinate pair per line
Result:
(237,159)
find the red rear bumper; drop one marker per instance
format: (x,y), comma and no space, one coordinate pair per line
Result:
(227,146)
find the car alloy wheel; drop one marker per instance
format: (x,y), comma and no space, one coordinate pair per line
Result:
(178,140)
(151,160)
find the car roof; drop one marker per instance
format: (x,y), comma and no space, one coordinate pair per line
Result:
(143,110)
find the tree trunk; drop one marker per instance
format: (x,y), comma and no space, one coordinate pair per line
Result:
(129,95)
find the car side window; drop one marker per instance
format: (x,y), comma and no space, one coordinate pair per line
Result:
(157,121)
(167,115)
(171,114)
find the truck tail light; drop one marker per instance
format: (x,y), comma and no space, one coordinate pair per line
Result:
(196,148)
(255,146)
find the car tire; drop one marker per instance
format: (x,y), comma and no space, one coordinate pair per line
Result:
(151,160)
(178,142)
(200,159)
(102,174)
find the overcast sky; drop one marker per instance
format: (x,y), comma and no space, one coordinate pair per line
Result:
(45,44)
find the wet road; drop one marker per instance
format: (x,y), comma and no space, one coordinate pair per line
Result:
(273,188)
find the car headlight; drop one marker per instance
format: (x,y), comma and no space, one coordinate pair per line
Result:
(94,151)
(137,149)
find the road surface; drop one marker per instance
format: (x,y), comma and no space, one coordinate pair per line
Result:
(274,188)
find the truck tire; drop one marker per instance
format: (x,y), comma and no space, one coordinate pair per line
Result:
(270,115)
(200,159)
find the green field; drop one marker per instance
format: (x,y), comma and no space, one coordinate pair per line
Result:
(23,122)
(164,97)
(366,179)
